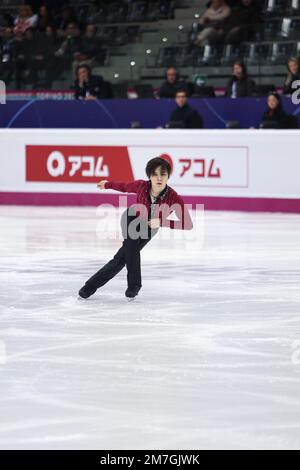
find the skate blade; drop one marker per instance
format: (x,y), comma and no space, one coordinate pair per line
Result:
(131,299)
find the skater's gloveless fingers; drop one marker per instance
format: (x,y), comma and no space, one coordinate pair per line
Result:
(101,184)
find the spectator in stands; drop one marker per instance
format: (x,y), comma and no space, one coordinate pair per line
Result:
(7,49)
(293,67)
(88,86)
(213,22)
(72,43)
(171,85)
(25,50)
(184,113)
(275,113)
(50,33)
(89,48)
(33,54)
(65,17)
(68,50)
(243,22)
(43,56)
(50,45)
(44,18)
(26,19)
(239,85)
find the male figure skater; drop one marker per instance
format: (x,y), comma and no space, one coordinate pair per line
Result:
(155,202)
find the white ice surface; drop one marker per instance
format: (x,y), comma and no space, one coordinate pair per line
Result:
(202,359)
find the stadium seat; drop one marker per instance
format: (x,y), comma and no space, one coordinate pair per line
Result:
(203,92)
(231,53)
(294,7)
(290,28)
(119,90)
(257,53)
(281,51)
(263,90)
(207,55)
(271,29)
(274,7)
(169,56)
(144,90)
(137,11)
(116,12)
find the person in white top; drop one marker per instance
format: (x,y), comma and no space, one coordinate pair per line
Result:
(212,21)
(25,20)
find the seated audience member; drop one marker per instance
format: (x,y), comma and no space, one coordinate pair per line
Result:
(68,50)
(26,19)
(25,49)
(243,22)
(293,67)
(43,56)
(213,22)
(33,54)
(239,85)
(89,48)
(275,113)
(64,17)
(71,44)
(50,43)
(7,52)
(171,85)
(184,113)
(44,18)
(88,86)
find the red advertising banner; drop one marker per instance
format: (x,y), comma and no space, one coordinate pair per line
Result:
(77,164)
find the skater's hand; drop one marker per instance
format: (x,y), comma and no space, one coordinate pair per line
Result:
(101,185)
(154,223)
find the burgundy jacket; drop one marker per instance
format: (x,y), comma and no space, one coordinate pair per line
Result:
(167,202)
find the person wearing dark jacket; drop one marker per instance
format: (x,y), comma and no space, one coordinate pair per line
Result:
(171,85)
(89,49)
(239,85)
(243,22)
(184,114)
(293,67)
(88,86)
(275,112)
(26,49)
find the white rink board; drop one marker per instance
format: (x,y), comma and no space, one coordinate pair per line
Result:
(250,163)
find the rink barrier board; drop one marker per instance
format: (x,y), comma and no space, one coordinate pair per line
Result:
(224,170)
(120,113)
(210,203)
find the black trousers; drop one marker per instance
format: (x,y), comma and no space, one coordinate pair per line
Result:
(128,254)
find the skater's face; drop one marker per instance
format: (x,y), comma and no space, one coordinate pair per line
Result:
(159,179)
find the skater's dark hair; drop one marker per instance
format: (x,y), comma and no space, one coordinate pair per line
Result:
(154,163)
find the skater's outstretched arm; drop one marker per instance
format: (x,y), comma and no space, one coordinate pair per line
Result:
(121,186)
